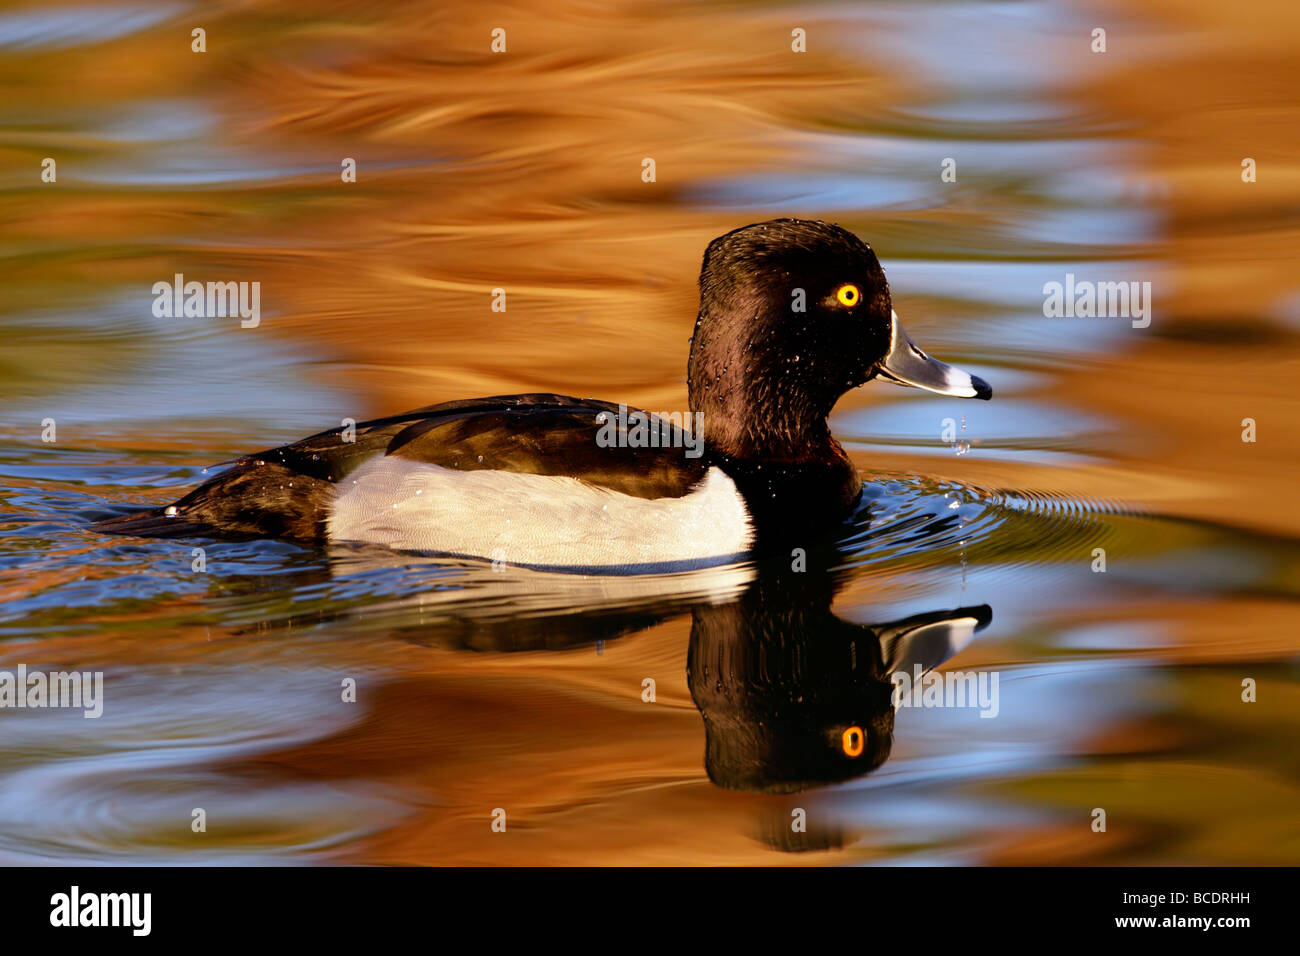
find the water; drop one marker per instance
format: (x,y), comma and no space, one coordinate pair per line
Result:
(480,688)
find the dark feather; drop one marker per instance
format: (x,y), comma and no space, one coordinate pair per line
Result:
(285,492)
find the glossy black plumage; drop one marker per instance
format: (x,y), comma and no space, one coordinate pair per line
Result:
(285,491)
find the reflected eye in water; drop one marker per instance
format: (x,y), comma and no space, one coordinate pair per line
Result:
(793,697)
(852,741)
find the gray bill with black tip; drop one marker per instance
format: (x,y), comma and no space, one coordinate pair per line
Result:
(908,365)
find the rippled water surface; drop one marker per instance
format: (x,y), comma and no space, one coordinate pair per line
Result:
(974,548)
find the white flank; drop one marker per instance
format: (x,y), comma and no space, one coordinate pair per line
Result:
(540,520)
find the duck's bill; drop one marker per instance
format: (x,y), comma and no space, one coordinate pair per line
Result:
(930,639)
(908,365)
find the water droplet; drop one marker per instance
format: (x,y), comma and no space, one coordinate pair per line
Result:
(961,447)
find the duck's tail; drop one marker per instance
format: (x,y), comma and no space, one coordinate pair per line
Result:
(255,498)
(155,523)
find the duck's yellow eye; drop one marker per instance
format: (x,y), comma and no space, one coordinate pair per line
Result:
(853,740)
(848,295)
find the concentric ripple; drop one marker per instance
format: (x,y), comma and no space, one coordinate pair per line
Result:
(130,788)
(914,521)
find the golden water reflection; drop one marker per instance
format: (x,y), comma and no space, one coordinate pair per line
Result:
(523,172)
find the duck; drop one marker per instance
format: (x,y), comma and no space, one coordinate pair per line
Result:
(793,314)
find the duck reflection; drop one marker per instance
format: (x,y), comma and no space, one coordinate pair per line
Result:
(793,696)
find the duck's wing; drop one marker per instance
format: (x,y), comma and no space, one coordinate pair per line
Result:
(287,491)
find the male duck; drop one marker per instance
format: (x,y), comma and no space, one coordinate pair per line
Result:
(792,315)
